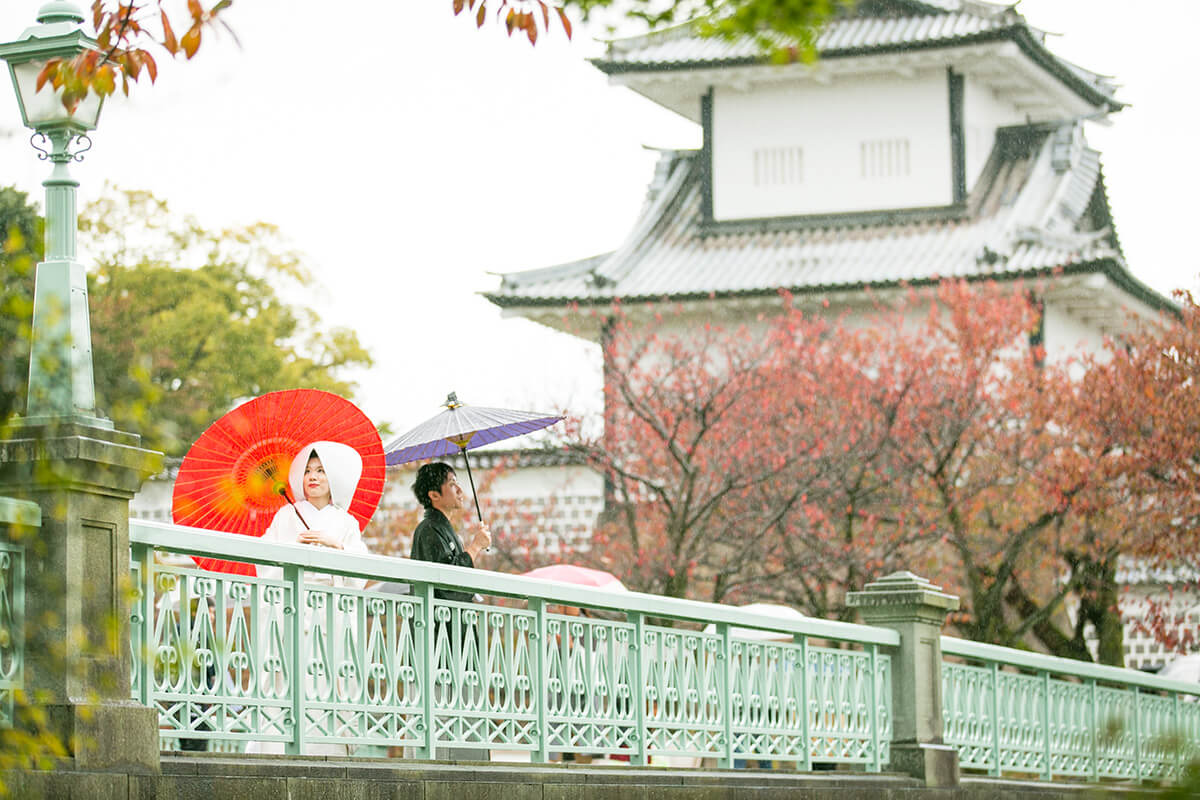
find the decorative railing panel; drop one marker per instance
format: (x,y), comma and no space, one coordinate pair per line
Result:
(12,628)
(237,659)
(1011,712)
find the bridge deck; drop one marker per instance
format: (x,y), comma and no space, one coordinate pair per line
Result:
(218,777)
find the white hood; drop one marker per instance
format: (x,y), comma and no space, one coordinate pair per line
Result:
(343,467)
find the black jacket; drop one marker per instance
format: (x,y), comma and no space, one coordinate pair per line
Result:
(435,540)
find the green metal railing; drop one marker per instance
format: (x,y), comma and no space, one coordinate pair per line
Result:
(307,661)
(12,633)
(12,604)
(1011,712)
(303,662)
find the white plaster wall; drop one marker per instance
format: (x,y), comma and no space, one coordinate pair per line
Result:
(510,483)
(1177,606)
(829,124)
(983,113)
(1064,334)
(558,504)
(1067,335)
(153,500)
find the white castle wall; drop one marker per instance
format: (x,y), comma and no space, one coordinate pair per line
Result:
(983,113)
(858,144)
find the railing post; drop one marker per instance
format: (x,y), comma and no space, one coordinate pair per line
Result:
(1047,744)
(1094,727)
(637,662)
(298,685)
(876,738)
(997,762)
(429,669)
(916,609)
(1137,734)
(145,557)
(538,642)
(1177,736)
(805,764)
(726,667)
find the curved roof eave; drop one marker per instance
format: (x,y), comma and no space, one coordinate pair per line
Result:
(1018,34)
(1110,267)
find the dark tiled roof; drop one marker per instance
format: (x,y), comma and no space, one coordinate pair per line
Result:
(872,27)
(1025,216)
(514,458)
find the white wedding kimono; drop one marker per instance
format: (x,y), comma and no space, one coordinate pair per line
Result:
(286,528)
(343,468)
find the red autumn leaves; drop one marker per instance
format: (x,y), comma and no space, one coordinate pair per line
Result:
(795,458)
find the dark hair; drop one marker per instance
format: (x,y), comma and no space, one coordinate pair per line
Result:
(430,478)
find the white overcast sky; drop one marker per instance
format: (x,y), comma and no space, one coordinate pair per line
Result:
(410,155)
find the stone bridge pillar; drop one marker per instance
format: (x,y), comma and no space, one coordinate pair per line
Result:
(917,610)
(77,657)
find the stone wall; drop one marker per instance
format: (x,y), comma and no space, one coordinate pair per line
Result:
(214,777)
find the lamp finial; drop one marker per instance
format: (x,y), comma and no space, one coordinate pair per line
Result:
(59,11)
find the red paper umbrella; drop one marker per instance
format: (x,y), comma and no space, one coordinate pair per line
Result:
(231,477)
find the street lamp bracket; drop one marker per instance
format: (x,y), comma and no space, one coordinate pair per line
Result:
(39,141)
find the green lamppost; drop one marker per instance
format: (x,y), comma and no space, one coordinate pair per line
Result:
(67,458)
(61,383)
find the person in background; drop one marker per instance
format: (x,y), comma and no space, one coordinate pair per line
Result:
(437,490)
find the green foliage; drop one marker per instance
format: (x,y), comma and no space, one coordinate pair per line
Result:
(1188,785)
(29,744)
(187,321)
(21,234)
(786,31)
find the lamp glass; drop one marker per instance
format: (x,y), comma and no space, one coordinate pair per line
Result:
(44,109)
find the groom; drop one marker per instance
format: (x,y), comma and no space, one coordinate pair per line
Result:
(436,488)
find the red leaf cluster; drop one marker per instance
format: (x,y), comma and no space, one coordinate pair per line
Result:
(125,34)
(518,15)
(796,458)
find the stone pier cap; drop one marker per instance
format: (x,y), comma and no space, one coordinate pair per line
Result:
(902,589)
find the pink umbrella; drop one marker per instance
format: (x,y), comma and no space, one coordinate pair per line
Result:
(579,576)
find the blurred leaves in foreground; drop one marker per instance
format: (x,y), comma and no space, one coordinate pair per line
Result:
(186,321)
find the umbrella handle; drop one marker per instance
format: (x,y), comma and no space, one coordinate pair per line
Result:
(282,489)
(474,496)
(471,479)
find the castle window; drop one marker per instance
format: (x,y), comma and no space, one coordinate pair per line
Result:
(778,166)
(885,158)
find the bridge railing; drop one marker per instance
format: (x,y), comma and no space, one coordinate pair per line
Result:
(302,661)
(305,661)
(13,514)
(1015,713)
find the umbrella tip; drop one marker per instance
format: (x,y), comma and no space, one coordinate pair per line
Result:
(452,400)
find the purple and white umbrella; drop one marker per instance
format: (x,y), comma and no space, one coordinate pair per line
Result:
(461,428)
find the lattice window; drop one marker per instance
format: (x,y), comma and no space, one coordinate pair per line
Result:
(885,158)
(778,166)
